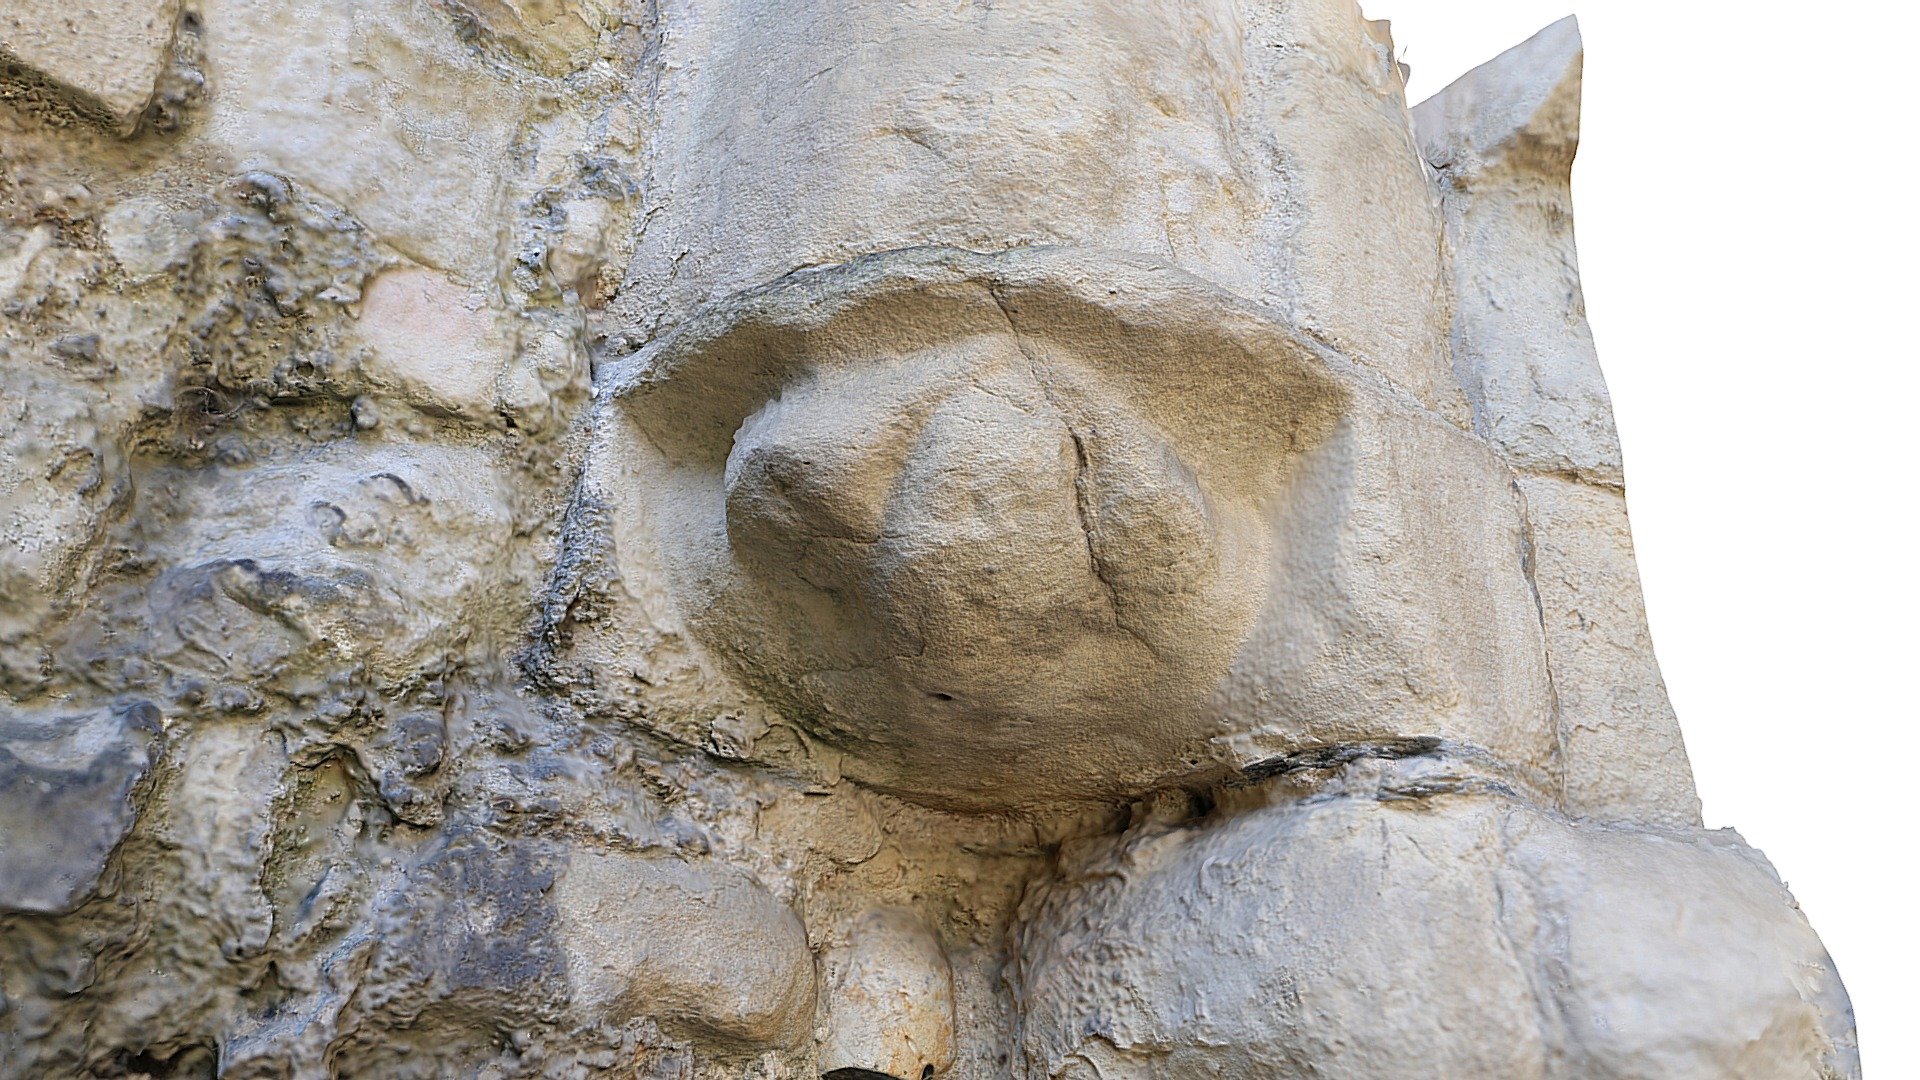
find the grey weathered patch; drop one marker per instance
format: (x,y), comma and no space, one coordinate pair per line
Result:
(67,798)
(464,951)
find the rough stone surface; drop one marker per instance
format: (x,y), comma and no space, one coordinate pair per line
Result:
(66,799)
(1623,758)
(1299,939)
(891,994)
(108,53)
(705,947)
(600,538)
(1501,141)
(1061,489)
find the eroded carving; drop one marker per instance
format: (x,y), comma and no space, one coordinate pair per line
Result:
(1060,540)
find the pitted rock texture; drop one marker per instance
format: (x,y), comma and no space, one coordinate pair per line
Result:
(631,539)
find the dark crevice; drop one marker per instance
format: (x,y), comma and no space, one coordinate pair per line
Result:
(189,1063)
(1335,755)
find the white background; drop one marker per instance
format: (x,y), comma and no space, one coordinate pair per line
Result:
(1745,195)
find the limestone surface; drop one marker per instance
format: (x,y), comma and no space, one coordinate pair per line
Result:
(106,53)
(1052,540)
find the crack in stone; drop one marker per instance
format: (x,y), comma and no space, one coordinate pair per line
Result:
(1334,755)
(1082,481)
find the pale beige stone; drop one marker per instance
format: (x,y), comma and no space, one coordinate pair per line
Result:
(1502,140)
(433,341)
(558,35)
(1053,540)
(703,946)
(391,559)
(24,247)
(148,237)
(1461,936)
(1697,921)
(1048,473)
(1624,758)
(109,52)
(580,258)
(1212,137)
(1395,607)
(63,479)
(378,107)
(889,1000)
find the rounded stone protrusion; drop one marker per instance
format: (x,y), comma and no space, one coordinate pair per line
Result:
(995,527)
(1371,938)
(890,1002)
(1010,530)
(701,946)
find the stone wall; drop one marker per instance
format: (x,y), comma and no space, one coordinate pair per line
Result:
(633,538)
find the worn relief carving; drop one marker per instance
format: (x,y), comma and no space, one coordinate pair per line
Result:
(1065,539)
